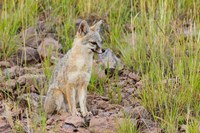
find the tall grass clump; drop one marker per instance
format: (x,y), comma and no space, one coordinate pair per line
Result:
(15,15)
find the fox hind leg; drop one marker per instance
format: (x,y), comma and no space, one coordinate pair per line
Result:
(49,104)
(54,102)
(60,102)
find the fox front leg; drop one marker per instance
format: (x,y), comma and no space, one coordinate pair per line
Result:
(71,100)
(82,94)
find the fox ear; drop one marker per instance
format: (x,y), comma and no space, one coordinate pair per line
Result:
(96,27)
(83,28)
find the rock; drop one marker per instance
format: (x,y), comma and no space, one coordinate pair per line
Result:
(11,73)
(47,46)
(138,85)
(41,25)
(187,30)
(134,76)
(152,130)
(102,105)
(129,27)
(4,64)
(171,81)
(105,98)
(55,56)
(30,70)
(76,121)
(34,100)
(137,112)
(82,130)
(182,128)
(125,102)
(58,121)
(26,55)
(27,32)
(121,84)
(10,84)
(39,65)
(4,126)
(67,128)
(31,38)
(137,93)
(47,26)
(109,60)
(129,90)
(98,71)
(103,124)
(38,81)
(147,124)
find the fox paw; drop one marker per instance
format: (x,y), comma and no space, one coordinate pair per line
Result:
(62,111)
(87,114)
(76,113)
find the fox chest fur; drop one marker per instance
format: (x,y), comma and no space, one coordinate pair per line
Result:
(78,69)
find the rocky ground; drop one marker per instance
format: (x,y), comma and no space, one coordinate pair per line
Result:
(23,84)
(106,114)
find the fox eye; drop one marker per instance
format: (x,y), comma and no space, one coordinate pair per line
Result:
(94,43)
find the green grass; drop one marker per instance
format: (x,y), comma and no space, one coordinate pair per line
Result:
(159,54)
(127,126)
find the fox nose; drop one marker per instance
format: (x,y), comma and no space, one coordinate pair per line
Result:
(99,50)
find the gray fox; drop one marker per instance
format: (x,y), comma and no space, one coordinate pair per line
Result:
(71,75)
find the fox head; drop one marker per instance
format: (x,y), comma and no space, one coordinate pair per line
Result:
(90,37)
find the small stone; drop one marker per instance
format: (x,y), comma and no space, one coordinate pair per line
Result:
(152,130)
(102,105)
(121,83)
(26,55)
(55,56)
(75,120)
(4,64)
(129,90)
(11,73)
(134,76)
(98,71)
(109,60)
(103,124)
(137,112)
(10,84)
(38,81)
(47,46)
(138,85)
(4,126)
(34,100)
(105,98)
(146,124)
(31,37)
(182,128)
(129,27)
